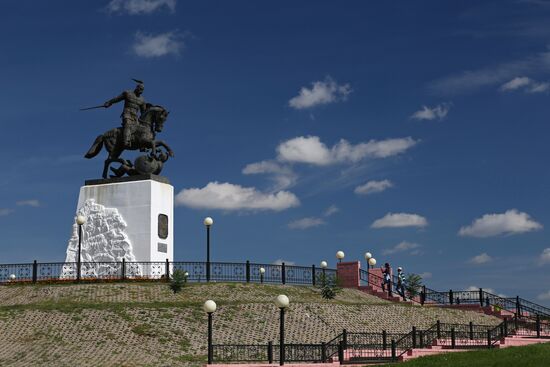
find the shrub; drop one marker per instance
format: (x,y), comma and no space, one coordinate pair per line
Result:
(329,285)
(413,284)
(178,280)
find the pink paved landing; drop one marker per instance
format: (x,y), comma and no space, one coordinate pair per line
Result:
(277,365)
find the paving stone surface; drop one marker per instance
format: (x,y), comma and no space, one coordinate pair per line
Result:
(145,324)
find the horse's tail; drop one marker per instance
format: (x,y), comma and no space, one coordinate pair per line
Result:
(95,148)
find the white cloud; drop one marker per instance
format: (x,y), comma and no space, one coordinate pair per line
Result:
(283,176)
(311,150)
(544,296)
(544,257)
(426,275)
(538,87)
(333,209)
(510,222)
(473,288)
(33,202)
(302,149)
(281,261)
(401,247)
(321,92)
(306,223)
(227,196)
(149,45)
(135,7)
(372,187)
(394,220)
(493,75)
(480,259)
(527,84)
(515,83)
(5,211)
(438,112)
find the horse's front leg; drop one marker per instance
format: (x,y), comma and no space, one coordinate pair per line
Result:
(106,165)
(114,156)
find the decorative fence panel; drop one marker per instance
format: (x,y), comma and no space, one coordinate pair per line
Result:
(369,346)
(240,353)
(273,273)
(21,272)
(463,336)
(299,274)
(300,352)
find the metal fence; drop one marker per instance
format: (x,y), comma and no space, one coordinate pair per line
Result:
(195,271)
(250,272)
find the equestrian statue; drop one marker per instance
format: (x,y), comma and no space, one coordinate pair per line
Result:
(141,122)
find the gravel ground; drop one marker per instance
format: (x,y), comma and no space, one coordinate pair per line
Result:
(145,324)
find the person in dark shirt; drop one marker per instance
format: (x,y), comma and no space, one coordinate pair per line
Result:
(400,287)
(386,274)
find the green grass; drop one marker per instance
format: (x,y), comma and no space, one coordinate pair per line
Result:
(537,355)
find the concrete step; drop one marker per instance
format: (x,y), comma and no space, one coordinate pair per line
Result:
(522,341)
(446,343)
(415,353)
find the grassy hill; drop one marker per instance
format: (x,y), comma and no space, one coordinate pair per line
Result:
(145,324)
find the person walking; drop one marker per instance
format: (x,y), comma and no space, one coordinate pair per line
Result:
(386,274)
(400,287)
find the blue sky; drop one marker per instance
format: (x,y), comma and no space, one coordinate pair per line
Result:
(417,131)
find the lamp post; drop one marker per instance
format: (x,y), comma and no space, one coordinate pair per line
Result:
(209,307)
(323,267)
(368,256)
(208,223)
(262,272)
(340,255)
(370,263)
(80,220)
(282,302)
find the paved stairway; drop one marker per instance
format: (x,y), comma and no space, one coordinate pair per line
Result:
(442,346)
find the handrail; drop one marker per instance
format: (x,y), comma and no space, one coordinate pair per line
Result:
(516,305)
(332,346)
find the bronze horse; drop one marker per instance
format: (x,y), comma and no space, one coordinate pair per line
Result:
(143,137)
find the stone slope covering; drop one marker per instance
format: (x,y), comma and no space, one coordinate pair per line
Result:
(145,324)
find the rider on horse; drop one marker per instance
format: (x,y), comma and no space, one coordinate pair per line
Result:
(133,104)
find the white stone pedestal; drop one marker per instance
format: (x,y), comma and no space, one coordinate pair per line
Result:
(131,219)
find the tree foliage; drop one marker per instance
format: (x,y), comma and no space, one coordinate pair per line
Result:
(413,284)
(329,285)
(178,280)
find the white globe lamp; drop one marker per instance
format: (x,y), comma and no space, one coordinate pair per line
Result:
(209,306)
(80,220)
(282,301)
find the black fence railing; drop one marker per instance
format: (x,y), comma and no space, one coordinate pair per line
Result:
(195,271)
(369,346)
(268,353)
(252,272)
(357,347)
(456,336)
(242,353)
